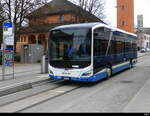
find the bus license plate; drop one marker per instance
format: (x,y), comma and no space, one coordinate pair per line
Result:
(66,78)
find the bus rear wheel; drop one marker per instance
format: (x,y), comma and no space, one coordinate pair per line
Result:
(109,73)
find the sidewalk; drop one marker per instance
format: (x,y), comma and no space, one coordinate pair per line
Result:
(141,102)
(21,69)
(33,78)
(25,76)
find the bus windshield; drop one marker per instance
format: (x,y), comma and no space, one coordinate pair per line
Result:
(70,45)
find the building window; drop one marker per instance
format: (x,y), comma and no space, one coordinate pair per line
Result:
(18,40)
(145,37)
(123,7)
(123,23)
(61,18)
(24,39)
(21,39)
(147,44)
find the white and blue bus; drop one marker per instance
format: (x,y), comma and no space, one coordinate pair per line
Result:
(89,52)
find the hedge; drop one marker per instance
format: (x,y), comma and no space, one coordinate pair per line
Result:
(17,57)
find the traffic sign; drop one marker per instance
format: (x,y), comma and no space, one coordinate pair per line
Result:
(8,25)
(8,33)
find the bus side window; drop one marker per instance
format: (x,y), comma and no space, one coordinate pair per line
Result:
(98,37)
(101,38)
(97,47)
(112,48)
(119,42)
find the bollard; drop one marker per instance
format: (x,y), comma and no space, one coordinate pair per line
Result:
(44,64)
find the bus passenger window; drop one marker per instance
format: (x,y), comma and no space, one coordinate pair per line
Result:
(101,38)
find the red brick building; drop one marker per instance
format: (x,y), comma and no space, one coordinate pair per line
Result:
(125,15)
(55,13)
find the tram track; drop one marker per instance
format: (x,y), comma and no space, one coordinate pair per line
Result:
(34,85)
(59,88)
(60,93)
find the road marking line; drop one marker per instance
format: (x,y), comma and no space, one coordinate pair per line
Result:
(42,76)
(58,91)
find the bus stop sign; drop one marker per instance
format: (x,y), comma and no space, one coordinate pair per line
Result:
(8,33)
(8,48)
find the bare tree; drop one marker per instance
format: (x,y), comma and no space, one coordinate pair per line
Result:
(95,7)
(16,10)
(2,17)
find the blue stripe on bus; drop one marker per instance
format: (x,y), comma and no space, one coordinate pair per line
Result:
(94,78)
(120,68)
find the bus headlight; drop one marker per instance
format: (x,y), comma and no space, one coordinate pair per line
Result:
(86,74)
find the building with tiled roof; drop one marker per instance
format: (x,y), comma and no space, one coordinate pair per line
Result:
(55,13)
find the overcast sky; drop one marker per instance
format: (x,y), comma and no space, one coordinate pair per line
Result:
(140,7)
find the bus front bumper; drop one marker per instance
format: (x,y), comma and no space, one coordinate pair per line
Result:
(81,79)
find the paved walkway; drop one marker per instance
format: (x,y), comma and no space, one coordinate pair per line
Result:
(23,72)
(23,67)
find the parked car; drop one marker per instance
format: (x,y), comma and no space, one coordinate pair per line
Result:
(143,50)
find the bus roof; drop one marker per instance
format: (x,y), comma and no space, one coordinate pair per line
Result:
(91,25)
(120,30)
(86,25)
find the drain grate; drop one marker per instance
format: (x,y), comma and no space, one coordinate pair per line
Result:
(126,81)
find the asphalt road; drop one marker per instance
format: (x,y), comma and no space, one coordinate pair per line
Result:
(106,96)
(111,95)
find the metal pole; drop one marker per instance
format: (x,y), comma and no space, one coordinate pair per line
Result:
(3,59)
(110,37)
(13,53)
(13,64)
